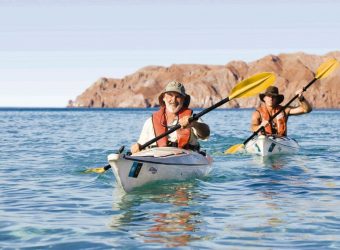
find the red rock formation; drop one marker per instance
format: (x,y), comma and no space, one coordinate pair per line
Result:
(207,84)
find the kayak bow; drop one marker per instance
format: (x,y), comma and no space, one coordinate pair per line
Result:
(269,145)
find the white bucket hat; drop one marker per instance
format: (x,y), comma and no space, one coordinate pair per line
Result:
(177,87)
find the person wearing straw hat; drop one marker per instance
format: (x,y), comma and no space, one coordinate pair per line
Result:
(174,109)
(270,105)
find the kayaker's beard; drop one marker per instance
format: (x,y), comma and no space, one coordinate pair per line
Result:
(173,106)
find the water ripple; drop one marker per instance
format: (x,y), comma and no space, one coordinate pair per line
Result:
(247,202)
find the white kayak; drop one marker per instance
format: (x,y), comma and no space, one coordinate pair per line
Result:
(269,145)
(157,164)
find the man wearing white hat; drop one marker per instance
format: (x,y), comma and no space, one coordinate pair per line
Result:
(173,110)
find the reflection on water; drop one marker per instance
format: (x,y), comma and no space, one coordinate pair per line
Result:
(278,162)
(173,226)
(274,181)
(275,161)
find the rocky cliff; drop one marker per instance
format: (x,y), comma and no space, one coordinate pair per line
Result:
(207,84)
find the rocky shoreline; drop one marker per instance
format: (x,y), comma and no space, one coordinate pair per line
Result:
(208,84)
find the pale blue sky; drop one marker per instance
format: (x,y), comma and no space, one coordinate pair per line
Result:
(52,50)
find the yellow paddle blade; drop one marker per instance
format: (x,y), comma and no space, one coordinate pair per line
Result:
(233,149)
(326,68)
(252,85)
(95,170)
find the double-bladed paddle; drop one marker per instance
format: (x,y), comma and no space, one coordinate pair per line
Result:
(246,88)
(322,72)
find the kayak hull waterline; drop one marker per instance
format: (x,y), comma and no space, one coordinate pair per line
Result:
(158,164)
(267,145)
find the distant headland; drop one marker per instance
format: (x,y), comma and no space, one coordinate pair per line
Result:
(208,84)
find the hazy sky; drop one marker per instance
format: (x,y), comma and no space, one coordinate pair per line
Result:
(52,50)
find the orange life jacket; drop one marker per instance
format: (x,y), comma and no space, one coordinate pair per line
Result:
(160,126)
(279,125)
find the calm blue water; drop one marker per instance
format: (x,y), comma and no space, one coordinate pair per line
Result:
(46,202)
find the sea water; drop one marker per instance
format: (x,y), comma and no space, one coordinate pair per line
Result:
(247,202)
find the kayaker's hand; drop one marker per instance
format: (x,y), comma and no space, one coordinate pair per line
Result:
(264,123)
(184,122)
(135,148)
(299,93)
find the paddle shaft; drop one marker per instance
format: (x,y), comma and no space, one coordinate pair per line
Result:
(280,110)
(193,118)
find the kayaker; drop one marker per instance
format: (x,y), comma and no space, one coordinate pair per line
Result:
(270,105)
(174,103)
